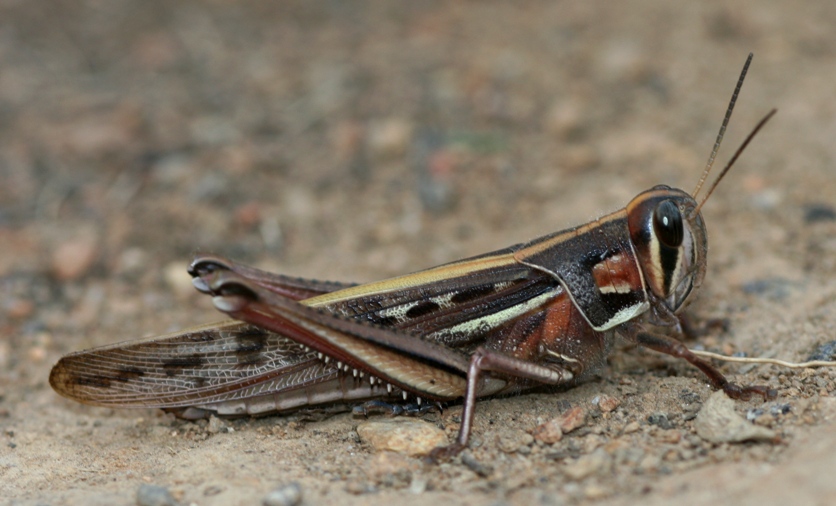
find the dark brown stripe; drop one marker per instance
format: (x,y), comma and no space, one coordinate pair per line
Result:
(668,257)
(384,321)
(472,293)
(421,309)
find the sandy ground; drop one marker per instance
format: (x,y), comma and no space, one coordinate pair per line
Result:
(359,141)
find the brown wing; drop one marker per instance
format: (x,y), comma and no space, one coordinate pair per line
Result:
(200,365)
(233,367)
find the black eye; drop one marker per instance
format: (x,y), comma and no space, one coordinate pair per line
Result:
(667,223)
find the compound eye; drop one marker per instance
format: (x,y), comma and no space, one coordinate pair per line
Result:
(667,223)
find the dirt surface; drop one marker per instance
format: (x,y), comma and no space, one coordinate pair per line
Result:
(357,141)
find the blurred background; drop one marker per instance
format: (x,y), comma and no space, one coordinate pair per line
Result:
(360,140)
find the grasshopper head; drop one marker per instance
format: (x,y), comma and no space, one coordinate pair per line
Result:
(666,226)
(669,238)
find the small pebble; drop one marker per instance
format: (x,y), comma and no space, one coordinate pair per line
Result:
(212,490)
(73,258)
(19,309)
(718,422)
(5,355)
(154,495)
(248,215)
(401,435)
(131,261)
(553,430)
(628,389)
(515,440)
(595,491)
(418,486)
(661,420)
(572,419)
(289,494)
(608,404)
(384,465)
(549,432)
(631,427)
(825,351)
(649,464)
(565,119)
(588,465)
(36,354)
(819,211)
(216,425)
(476,466)
(389,138)
(670,436)
(358,487)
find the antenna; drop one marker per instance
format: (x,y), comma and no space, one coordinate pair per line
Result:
(728,166)
(723,126)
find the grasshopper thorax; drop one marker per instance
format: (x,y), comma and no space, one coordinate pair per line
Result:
(670,243)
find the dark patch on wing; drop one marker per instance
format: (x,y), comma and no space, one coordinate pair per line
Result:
(421,309)
(472,293)
(383,321)
(92,380)
(251,360)
(172,366)
(198,381)
(202,337)
(126,374)
(253,341)
(251,344)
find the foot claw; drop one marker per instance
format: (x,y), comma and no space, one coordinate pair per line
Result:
(442,453)
(391,409)
(377,406)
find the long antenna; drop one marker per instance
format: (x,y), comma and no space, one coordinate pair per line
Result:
(728,166)
(723,126)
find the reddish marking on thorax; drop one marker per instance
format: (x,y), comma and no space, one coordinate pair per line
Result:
(617,274)
(556,320)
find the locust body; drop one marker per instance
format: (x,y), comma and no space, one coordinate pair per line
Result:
(540,313)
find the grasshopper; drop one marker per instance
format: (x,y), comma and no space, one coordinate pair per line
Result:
(540,313)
